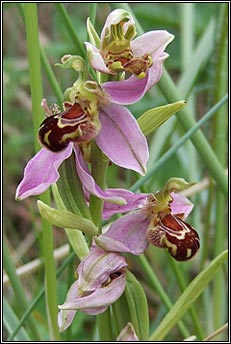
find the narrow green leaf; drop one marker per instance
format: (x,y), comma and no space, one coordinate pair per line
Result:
(199,57)
(65,218)
(79,46)
(185,301)
(11,321)
(138,306)
(153,118)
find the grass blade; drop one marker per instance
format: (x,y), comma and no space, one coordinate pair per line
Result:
(188,297)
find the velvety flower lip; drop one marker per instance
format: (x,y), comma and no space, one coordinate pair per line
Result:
(41,171)
(121,139)
(101,282)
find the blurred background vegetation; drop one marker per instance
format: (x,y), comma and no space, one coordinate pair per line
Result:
(21,219)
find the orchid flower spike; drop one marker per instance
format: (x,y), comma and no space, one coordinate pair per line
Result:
(118,52)
(160,221)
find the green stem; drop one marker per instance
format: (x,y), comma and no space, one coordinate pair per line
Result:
(70,29)
(220,148)
(205,245)
(20,297)
(155,283)
(205,151)
(178,144)
(104,326)
(51,76)
(46,65)
(99,173)
(31,24)
(187,32)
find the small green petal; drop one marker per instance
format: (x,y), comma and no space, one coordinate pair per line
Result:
(173,185)
(93,36)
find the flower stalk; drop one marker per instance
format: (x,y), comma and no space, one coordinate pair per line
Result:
(31,23)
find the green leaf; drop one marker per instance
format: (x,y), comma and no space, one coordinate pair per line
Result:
(200,55)
(153,118)
(64,218)
(76,237)
(185,301)
(138,306)
(11,321)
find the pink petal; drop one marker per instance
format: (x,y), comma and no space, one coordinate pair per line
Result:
(152,42)
(88,181)
(126,92)
(121,139)
(41,171)
(95,269)
(133,89)
(127,234)
(134,201)
(65,317)
(180,205)
(96,59)
(98,301)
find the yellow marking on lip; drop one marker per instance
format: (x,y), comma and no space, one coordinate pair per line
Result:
(46,137)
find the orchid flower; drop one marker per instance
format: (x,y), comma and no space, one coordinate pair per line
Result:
(161,222)
(101,281)
(88,115)
(118,52)
(116,131)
